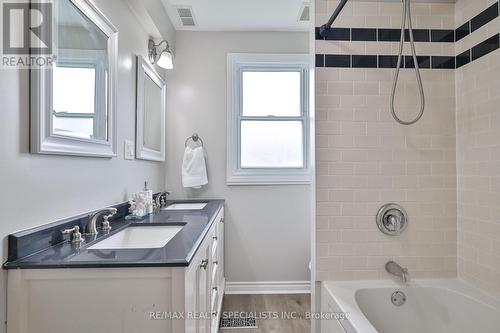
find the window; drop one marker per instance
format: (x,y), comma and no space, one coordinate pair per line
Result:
(74,109)
(79,109)
(268,100)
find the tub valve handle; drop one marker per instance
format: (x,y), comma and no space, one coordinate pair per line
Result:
(394,223)
(392,219)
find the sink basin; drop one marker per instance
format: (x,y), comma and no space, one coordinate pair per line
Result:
(186,206)
(139,237)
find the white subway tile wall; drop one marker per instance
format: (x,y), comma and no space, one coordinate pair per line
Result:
(365,159)
(478,156)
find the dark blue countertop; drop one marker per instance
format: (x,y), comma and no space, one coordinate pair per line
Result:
(178,252)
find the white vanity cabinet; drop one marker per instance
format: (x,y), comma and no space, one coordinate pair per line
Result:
(122,300)
(206,275)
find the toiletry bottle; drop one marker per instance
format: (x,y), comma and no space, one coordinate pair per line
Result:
(149,194)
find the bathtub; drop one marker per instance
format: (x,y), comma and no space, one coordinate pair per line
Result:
(430,306)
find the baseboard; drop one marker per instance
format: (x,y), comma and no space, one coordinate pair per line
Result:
(268,287)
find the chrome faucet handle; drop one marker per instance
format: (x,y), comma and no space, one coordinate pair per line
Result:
(76,236)
(394,223)
(392,219)
(160,201)
(105,226)
(156,207)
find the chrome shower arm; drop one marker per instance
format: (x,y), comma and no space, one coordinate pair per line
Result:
(325,27)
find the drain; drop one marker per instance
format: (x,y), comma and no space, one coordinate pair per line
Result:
(398,298)
(237,323)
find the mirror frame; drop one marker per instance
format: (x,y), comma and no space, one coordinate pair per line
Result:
(43,140)
(144,68)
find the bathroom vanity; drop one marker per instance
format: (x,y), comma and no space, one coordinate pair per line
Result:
(125,280)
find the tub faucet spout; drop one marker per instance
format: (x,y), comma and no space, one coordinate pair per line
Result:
(395,269)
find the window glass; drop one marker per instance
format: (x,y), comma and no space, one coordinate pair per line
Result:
(271,144)
(73,104)
(271,94)
(77,97)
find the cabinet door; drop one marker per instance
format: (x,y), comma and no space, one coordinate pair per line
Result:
(203,290)
(217,279)
(197,296)
(220,258)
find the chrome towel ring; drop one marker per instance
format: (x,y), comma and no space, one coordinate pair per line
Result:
(195,138)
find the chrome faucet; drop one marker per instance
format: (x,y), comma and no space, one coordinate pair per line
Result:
(393,268)
(76,236)
(91,226)
(160,200)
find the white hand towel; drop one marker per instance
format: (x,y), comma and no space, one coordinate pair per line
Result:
(194,169)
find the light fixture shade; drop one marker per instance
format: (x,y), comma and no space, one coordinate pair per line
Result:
(165,60)
(162,58)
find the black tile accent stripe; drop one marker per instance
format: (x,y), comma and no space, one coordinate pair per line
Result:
(463,59)
(337,60)
(383,61)
(447,36)
(320,60)
(489,45)
(364,61)
(484,17)
(364,34)
(387,61)
(419,35)
(477,22)
(318,36)
(387,35)
(423,62)
(338,34)
(462,31)
(443,62)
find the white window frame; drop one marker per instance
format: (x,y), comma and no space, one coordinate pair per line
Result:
(236,64)
(81,58)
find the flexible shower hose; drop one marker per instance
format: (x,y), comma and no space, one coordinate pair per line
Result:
(407,15)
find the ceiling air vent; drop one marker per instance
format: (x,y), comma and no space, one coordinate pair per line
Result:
(304,13)
(186,16)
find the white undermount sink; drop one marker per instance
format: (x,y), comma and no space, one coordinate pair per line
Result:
(186,206)
(139,237)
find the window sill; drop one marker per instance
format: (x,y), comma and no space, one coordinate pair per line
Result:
(278,178)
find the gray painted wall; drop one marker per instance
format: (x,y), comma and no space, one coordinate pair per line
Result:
(39,189)
(267,229)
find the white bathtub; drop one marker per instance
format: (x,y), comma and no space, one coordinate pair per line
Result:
(432,306)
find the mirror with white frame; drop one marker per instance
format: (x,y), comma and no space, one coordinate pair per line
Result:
(73,101)
(151,101)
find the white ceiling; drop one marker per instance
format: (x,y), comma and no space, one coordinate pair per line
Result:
(240,15)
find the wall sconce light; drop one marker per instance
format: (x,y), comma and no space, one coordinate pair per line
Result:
(160,56)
